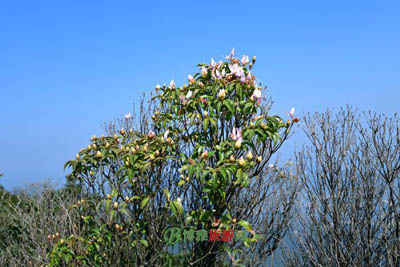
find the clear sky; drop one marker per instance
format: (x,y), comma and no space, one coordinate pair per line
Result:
(66,67)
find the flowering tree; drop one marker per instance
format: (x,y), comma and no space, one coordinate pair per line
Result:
(201,161)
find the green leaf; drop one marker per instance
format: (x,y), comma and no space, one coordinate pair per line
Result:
(224,173)
(191,170)
(219,106)
(130,173)
(181,182)
(144,202)
(205,123)
(229,104)
(114,192)
(166,193)
(245,225)
(144,242)
(178,207)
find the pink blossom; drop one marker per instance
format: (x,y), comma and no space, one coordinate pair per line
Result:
(235,69)
(172,84)
(189,95)
(182,99)
(230,56)
(271,166)
(249,76)
(291,113)
(166,134)
(242,78)
(203,71)
(236,134)
(223,73)
(257,95)
(218,74)
(213,64)
(245,60)
(191,79)
(151,134)
(128,116)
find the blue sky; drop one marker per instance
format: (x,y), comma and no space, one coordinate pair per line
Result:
(66,67)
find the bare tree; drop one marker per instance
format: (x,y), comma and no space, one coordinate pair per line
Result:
(350,204)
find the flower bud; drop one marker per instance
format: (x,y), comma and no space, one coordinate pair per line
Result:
(122,132)
(151,134)
(238,144)
(204,155)
(263,125)
(241,161)
(89,147)
(127,199)
(109,196)
(115,205)
(249,155)
(203,72)
(190,79)
(152,157)
(253,59)
(62,241)
(221,94)
(259,159)
(78,157)
(93,138)
(98,154)
(94,147)
(232,158)
(205,113)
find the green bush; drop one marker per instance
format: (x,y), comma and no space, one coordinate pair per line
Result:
(198,157)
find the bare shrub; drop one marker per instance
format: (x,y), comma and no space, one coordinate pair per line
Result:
(32,220)
(350,204)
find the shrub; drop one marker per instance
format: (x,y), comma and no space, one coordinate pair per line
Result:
(198,157)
